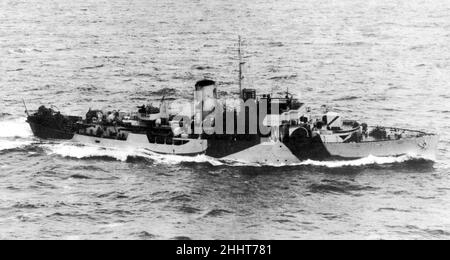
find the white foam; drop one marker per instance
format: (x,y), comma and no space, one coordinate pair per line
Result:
(177,159)
(370,160)
(74,150)
(15,128)
(9,144)
(14,133)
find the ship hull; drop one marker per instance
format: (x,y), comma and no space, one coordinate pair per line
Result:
(49,133)
(276,153)
(424,146)
(266,152)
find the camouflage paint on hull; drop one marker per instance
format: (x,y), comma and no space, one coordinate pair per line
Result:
(424,146)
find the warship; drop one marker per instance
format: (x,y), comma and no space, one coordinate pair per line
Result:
(263,129)
(289,135)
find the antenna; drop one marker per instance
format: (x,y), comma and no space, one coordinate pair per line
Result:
(240,67)
(25,105)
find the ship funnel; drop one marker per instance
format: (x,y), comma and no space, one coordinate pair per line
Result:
(205,95)
(205,99)
(204,83)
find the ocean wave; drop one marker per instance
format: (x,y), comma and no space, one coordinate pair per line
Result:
(181,238)
(188,209)
(93,67)
(3,115)
(393,209)
(338,187)
(144,235)
(177,197)
(27,205)
(80,176)
(346,98)
(72,215)
(217,213)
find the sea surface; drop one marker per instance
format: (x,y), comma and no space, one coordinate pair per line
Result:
(383,62)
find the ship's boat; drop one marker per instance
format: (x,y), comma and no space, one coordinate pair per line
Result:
(47,123)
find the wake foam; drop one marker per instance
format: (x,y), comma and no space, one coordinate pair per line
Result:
(74,150)
(370,160)
(15,128)
(79,151)
(367,161)
(14,133)
(9,145)
(177,159)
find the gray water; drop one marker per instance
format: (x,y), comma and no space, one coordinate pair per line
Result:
(384,62)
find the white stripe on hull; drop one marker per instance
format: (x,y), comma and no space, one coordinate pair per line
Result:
(425,146)
(139,141)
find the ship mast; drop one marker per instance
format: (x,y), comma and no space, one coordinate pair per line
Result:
(240,68)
